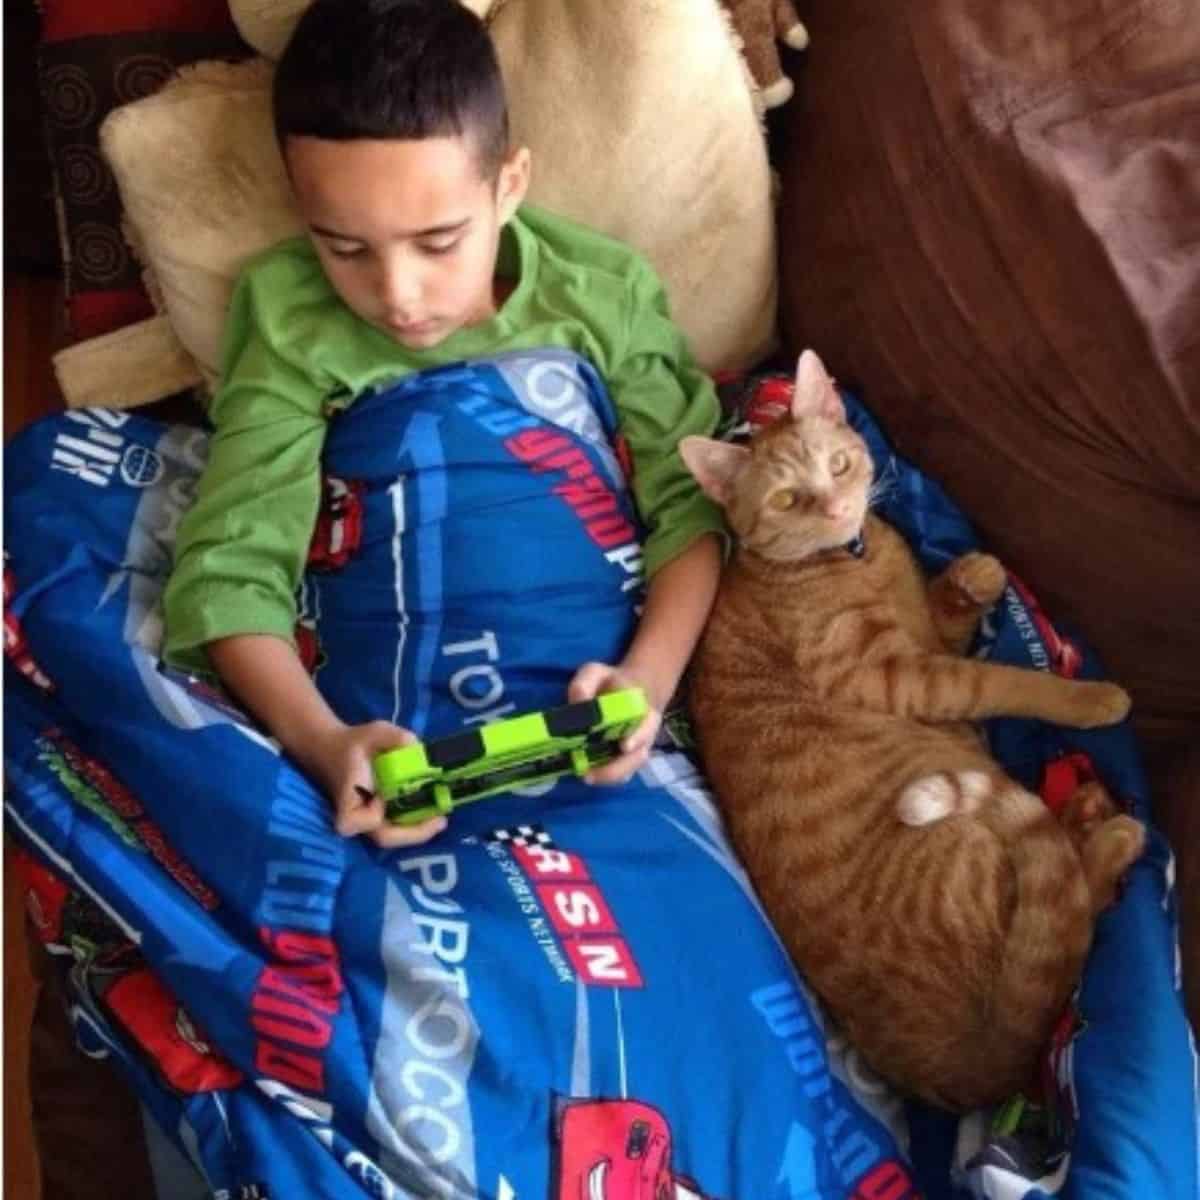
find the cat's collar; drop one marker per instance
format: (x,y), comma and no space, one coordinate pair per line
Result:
(856,548)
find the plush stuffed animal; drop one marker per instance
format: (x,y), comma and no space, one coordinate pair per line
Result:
(759,23)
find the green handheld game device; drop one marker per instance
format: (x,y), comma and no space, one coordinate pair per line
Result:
(419,781)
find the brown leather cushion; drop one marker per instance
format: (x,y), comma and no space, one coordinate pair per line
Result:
(1177,791)
(991,220)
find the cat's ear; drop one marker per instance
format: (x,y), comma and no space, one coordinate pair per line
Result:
(715,465)
(815,394)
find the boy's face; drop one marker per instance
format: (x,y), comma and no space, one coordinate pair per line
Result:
(407,231)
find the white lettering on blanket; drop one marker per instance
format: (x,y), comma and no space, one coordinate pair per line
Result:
(478,686)
(543,934)
(94,455)
(417,1106)
(1026,628)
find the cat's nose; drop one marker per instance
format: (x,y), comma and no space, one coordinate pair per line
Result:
(836,509)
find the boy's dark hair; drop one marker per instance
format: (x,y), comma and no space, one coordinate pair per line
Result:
(404,69)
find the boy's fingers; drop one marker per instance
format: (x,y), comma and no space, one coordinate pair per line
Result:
(390,836)
(356,815)
(643,736)
(587,681)
(380,736)
(620,769)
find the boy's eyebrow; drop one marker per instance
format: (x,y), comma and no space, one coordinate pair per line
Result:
(432,231)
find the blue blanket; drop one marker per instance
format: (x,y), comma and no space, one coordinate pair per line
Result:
(571,993)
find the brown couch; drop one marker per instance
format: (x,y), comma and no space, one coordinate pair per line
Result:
(991,221)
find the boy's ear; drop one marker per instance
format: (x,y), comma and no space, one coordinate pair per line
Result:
(815,394)
(513,182)
(716,465)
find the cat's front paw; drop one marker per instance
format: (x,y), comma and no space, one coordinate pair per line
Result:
(1097,704)
(979,580)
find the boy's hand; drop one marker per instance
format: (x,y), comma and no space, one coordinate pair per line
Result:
(341,760)
(266,673)
(589,681)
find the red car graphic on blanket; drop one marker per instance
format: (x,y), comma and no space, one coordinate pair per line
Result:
(16,648)
(615,1150)
(339,529)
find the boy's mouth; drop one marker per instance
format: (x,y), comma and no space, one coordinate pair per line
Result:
(411,328)
(412,331)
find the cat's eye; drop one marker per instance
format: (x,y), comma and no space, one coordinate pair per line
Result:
(783,499)
(839,464)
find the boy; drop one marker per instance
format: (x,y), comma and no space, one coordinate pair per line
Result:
(392,121)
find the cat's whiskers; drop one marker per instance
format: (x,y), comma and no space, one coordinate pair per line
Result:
(879,491)
(883,485)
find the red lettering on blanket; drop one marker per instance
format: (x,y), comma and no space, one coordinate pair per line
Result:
(887,1181)
(586,504)
(572,460)
(320,989)
(292,1007)
(576,908)
(290,1021)
(295,947)
(587,495)
(548,862)
(303,1071)
(583,924)
(606,962)
(533,444)
(610,532)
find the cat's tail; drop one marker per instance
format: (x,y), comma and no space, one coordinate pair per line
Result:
(1044,948)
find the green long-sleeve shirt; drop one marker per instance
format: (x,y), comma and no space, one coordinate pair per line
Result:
(294,353)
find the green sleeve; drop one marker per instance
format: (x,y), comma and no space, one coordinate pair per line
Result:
(661,396)
(242,545)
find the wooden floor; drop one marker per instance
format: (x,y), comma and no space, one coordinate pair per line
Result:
(32,330)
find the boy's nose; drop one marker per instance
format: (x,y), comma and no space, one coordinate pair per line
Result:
(399,292)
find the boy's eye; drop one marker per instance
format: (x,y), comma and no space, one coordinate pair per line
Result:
(783,499)
(441,247)
(839,464)
(353,252)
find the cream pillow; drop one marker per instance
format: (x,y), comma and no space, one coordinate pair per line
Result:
(642,125)
(267,24)
(660,147)
(203,188)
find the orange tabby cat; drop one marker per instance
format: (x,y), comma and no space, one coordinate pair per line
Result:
(937,907)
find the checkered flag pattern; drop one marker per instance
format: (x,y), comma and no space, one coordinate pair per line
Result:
(522,835)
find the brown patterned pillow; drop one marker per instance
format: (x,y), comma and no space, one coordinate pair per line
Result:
(93,58)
